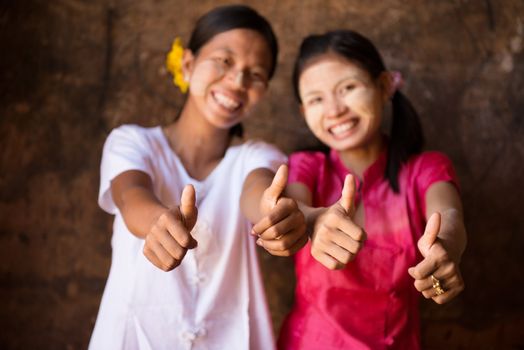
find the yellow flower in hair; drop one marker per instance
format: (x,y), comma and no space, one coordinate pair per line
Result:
(174,65)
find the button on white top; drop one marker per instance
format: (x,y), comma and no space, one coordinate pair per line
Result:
(143,305)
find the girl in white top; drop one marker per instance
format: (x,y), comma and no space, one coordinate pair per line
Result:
(183,278)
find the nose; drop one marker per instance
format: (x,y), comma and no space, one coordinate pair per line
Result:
(335,107)
(237,77)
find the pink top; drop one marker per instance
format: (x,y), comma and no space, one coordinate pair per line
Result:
(372,303)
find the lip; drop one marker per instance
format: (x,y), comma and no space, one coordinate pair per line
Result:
(228,102)
(343,128)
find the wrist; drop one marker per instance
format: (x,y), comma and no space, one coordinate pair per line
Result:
(451,247)
(312,215)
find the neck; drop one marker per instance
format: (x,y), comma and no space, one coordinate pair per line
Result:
(360,158)
(198,144)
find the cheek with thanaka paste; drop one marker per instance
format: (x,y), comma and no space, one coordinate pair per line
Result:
(313,117)
(360,101)
(204,74)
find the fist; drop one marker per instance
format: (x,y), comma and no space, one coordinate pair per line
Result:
(282,230)
(437,276)
(169,238)
(336,238)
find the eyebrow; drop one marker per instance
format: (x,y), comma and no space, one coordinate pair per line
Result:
(339,82)
(224,48)
(229,51)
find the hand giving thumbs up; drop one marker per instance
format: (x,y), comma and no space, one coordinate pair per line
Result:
(281,230)
(169,238)
(437,276)
(336,238)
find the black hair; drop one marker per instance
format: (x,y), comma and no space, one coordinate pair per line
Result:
(406,137)
(224,18)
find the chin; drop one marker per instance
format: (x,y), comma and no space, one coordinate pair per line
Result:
(344,146)
(226,124)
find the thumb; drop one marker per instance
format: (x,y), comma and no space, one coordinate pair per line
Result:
(430,234)
(348,195)
(278,185)
(187,206)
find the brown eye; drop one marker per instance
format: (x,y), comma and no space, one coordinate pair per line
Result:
(314,101)
(258,78)
(224,61)
(348,87)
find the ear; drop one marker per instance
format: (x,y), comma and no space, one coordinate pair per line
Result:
(188,63)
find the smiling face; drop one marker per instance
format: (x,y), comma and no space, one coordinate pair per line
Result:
(228,76)
(341,103)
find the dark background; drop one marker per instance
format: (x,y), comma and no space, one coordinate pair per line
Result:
(72,70)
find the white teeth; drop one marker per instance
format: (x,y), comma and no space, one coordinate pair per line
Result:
(226,102)
(341,128)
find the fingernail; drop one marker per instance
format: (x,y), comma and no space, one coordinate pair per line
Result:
(259,242)
(253,233)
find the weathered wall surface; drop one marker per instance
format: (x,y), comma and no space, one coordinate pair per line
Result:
(71,70)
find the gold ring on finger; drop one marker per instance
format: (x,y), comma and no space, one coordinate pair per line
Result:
(437,286)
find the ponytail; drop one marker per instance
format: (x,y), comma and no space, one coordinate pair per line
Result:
(406,138)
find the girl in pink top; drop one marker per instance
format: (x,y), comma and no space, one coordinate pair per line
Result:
(385,219)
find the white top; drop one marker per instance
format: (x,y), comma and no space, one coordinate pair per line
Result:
(215,298)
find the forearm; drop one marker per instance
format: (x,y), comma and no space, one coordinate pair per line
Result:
(252,192)
(443,198)
(304,198)
(453,232)
(140,209)
(311,214)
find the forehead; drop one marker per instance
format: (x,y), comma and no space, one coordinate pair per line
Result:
(244,43)
(329,69)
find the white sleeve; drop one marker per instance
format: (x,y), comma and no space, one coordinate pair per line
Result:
(264,155)
(126,148)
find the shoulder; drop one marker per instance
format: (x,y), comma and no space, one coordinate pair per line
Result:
(256,143)
(429,167)
(133,130)
(249,155)
(129,134)
(260,148)
(428,160)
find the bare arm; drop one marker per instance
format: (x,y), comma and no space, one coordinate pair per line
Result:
(443,197)
(165,230)
(303,196)
(254,186)
(438,275)
(132,193)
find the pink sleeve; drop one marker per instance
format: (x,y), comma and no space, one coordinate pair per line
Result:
(302,166)
(432,167)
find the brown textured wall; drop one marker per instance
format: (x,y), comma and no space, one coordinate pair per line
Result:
(71,70)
